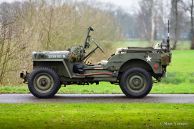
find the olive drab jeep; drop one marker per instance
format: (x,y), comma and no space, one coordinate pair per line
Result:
(132,68)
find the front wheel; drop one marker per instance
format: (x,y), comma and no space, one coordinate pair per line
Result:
(136,83)
(43,83)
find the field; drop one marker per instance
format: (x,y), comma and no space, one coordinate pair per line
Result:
(96,116)
(180,79)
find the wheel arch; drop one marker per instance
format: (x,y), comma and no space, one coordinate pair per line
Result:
(60,67)
(136,63)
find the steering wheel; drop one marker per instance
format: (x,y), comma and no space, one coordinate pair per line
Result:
(98,46)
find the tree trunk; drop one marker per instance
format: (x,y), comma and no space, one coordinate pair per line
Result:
(152,22)
(192,26)
(49,32)
(176,20)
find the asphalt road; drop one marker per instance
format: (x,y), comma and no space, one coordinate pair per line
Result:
(97,98)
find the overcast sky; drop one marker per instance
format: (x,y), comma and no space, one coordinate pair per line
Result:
(125,4)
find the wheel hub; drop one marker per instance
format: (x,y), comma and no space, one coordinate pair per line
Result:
(136,82)
(43,83)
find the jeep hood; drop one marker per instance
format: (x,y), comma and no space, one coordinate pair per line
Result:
(50,55)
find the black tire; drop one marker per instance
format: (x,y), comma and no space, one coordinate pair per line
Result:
(43,82)
(136,83)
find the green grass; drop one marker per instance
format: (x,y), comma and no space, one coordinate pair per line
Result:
(96,116)
(183,62)
(180,79)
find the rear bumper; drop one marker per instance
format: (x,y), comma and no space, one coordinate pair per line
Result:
(24,76)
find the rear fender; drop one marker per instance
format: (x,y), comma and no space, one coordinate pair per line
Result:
(136,63)
(155,68)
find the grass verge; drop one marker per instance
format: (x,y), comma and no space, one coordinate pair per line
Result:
(96,116)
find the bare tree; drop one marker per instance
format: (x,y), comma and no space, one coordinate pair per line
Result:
(192,25)
(150,15)
(153,17)
(144,19)
(175,21)
(188,6)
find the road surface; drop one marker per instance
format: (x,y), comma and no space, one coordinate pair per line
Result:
(97,98)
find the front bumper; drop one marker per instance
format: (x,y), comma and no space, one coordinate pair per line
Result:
(24,75)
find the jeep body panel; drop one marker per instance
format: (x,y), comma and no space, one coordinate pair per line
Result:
(106,72)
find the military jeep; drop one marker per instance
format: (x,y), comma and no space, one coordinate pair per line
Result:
(134,69)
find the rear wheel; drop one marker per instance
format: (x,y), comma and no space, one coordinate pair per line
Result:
(43,83)
(136,82)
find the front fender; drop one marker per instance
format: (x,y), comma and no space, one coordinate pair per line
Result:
(62,67)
